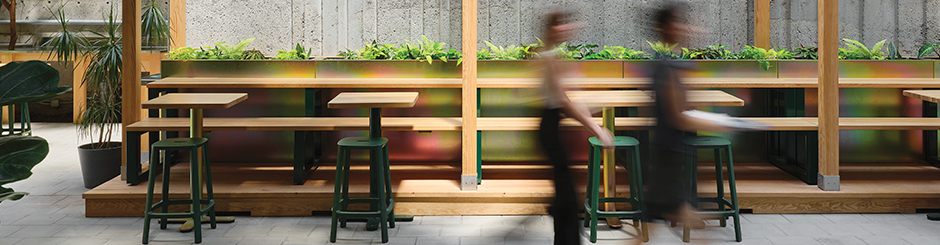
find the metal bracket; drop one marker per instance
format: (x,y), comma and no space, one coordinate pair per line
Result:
(468,182)
(828,182)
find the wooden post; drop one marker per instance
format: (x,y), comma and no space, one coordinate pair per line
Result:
(4,58)
(828,178)
(79,92)
(130,79)
(762,23)
(468,176)
(177,23)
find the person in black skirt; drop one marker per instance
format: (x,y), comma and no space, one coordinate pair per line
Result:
(564,209)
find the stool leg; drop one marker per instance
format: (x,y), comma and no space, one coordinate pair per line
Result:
(632,175)
(388,187)
(383,211)
(165,195)
(734,197)
(690,177)
(595,175)
(587,186)
(638,181)
(149,203)
(340,160)
(209,194)
(195,195)
(719,177)
(347,162)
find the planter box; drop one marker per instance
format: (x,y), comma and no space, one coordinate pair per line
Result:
(707,68)
(861,69)
(239,68)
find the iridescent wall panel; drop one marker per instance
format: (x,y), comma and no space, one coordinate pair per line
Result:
(708,68)
(239,68)
(387,69)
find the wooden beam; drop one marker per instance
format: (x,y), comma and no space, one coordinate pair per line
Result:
(468,176)
(79,92)
(177,23)
(828,17)
(130,80)
(762,23)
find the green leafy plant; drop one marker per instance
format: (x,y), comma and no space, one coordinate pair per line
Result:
(805,53)
(298,53)
(102,115)
(858,51)
(154,25)
(762,56)
(253,54)
(371,51)
(18,156)
(711,52)
(426,50)
(615,53)
(893,53)
(512,52)
(66,45)
(927,49)
(218,52)
(662,48)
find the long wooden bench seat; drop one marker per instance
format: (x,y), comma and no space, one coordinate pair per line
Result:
(590,83)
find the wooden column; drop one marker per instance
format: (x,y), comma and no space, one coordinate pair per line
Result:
(4,58)
(178,23)
(828,95)
(468,176)
(79,92)
(762,23)
(130,80)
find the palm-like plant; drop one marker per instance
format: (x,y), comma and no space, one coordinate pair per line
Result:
(103,78)
(154,26)
(67,45)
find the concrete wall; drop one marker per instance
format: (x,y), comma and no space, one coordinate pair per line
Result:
(74,10)
(330,26)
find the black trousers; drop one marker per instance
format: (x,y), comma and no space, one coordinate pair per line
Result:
(667,190)
(564,208)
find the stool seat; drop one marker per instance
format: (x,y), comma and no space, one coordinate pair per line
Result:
(706,141)
(618,141)
(179,143)
(362,142)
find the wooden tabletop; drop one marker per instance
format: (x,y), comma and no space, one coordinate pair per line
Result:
(637,98)
(925,95)
(195,101)
(271,82)
(374,100)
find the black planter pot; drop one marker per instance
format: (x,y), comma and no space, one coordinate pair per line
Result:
(99,164)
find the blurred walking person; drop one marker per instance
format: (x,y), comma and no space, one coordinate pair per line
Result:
(667,196)
(564,208)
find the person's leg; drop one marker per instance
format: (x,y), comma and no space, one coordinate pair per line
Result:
(667,190)
(565,206)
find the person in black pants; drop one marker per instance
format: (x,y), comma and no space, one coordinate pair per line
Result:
(564,209)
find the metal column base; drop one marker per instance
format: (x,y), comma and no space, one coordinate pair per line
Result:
(468,182)
(827,182)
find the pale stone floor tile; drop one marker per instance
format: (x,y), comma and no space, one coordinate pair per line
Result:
(41,241)
(810,230)
(9,240)
(241,230)
(438,241)
(36,231)
(923,240)
(844,229)
(6,230)
(482,241)
(86,241)
(441,220)
(765,219)
(265,240)
(292,230)
(888,230)
(124,231)
(398,240)
(39,219)
(807,219)
(840,240)
(294,240)
(502,231)
(419,230)
(883,240)
(315,220)
(230,241)
(793,240)
(80,231)
(462,230)
(886,218)
(847,218)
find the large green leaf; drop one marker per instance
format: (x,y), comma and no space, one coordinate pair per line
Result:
(28,82)
(18,156)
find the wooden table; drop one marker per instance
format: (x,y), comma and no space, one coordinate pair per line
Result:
(608,99)
(931,137)
(195,102)
(375,101)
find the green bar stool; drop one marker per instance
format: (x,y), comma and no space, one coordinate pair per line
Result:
(380,186)
(592,202)
(195,200)
(726,208)
(26,128)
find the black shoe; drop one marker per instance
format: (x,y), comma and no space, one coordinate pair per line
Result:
(934,216)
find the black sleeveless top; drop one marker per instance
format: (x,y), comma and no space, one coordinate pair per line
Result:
(666,136)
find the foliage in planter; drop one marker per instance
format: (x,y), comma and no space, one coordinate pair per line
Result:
(102,115)
(67,45)
(154,26)
(298,53)
(858,51)
(512,52)
(806,53)
(663,49)
(18,156)
(220,51)
(372,51)
(762,56)
(426,50)
(615,53)
(711,52)
(927,49)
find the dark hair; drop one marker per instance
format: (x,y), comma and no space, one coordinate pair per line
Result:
(555,18)
(668,14)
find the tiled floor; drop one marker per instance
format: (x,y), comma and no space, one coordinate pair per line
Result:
(53,214)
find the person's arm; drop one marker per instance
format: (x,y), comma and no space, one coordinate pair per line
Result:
(575,110)
(675,104)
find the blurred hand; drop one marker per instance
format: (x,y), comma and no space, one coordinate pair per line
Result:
(607,138)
